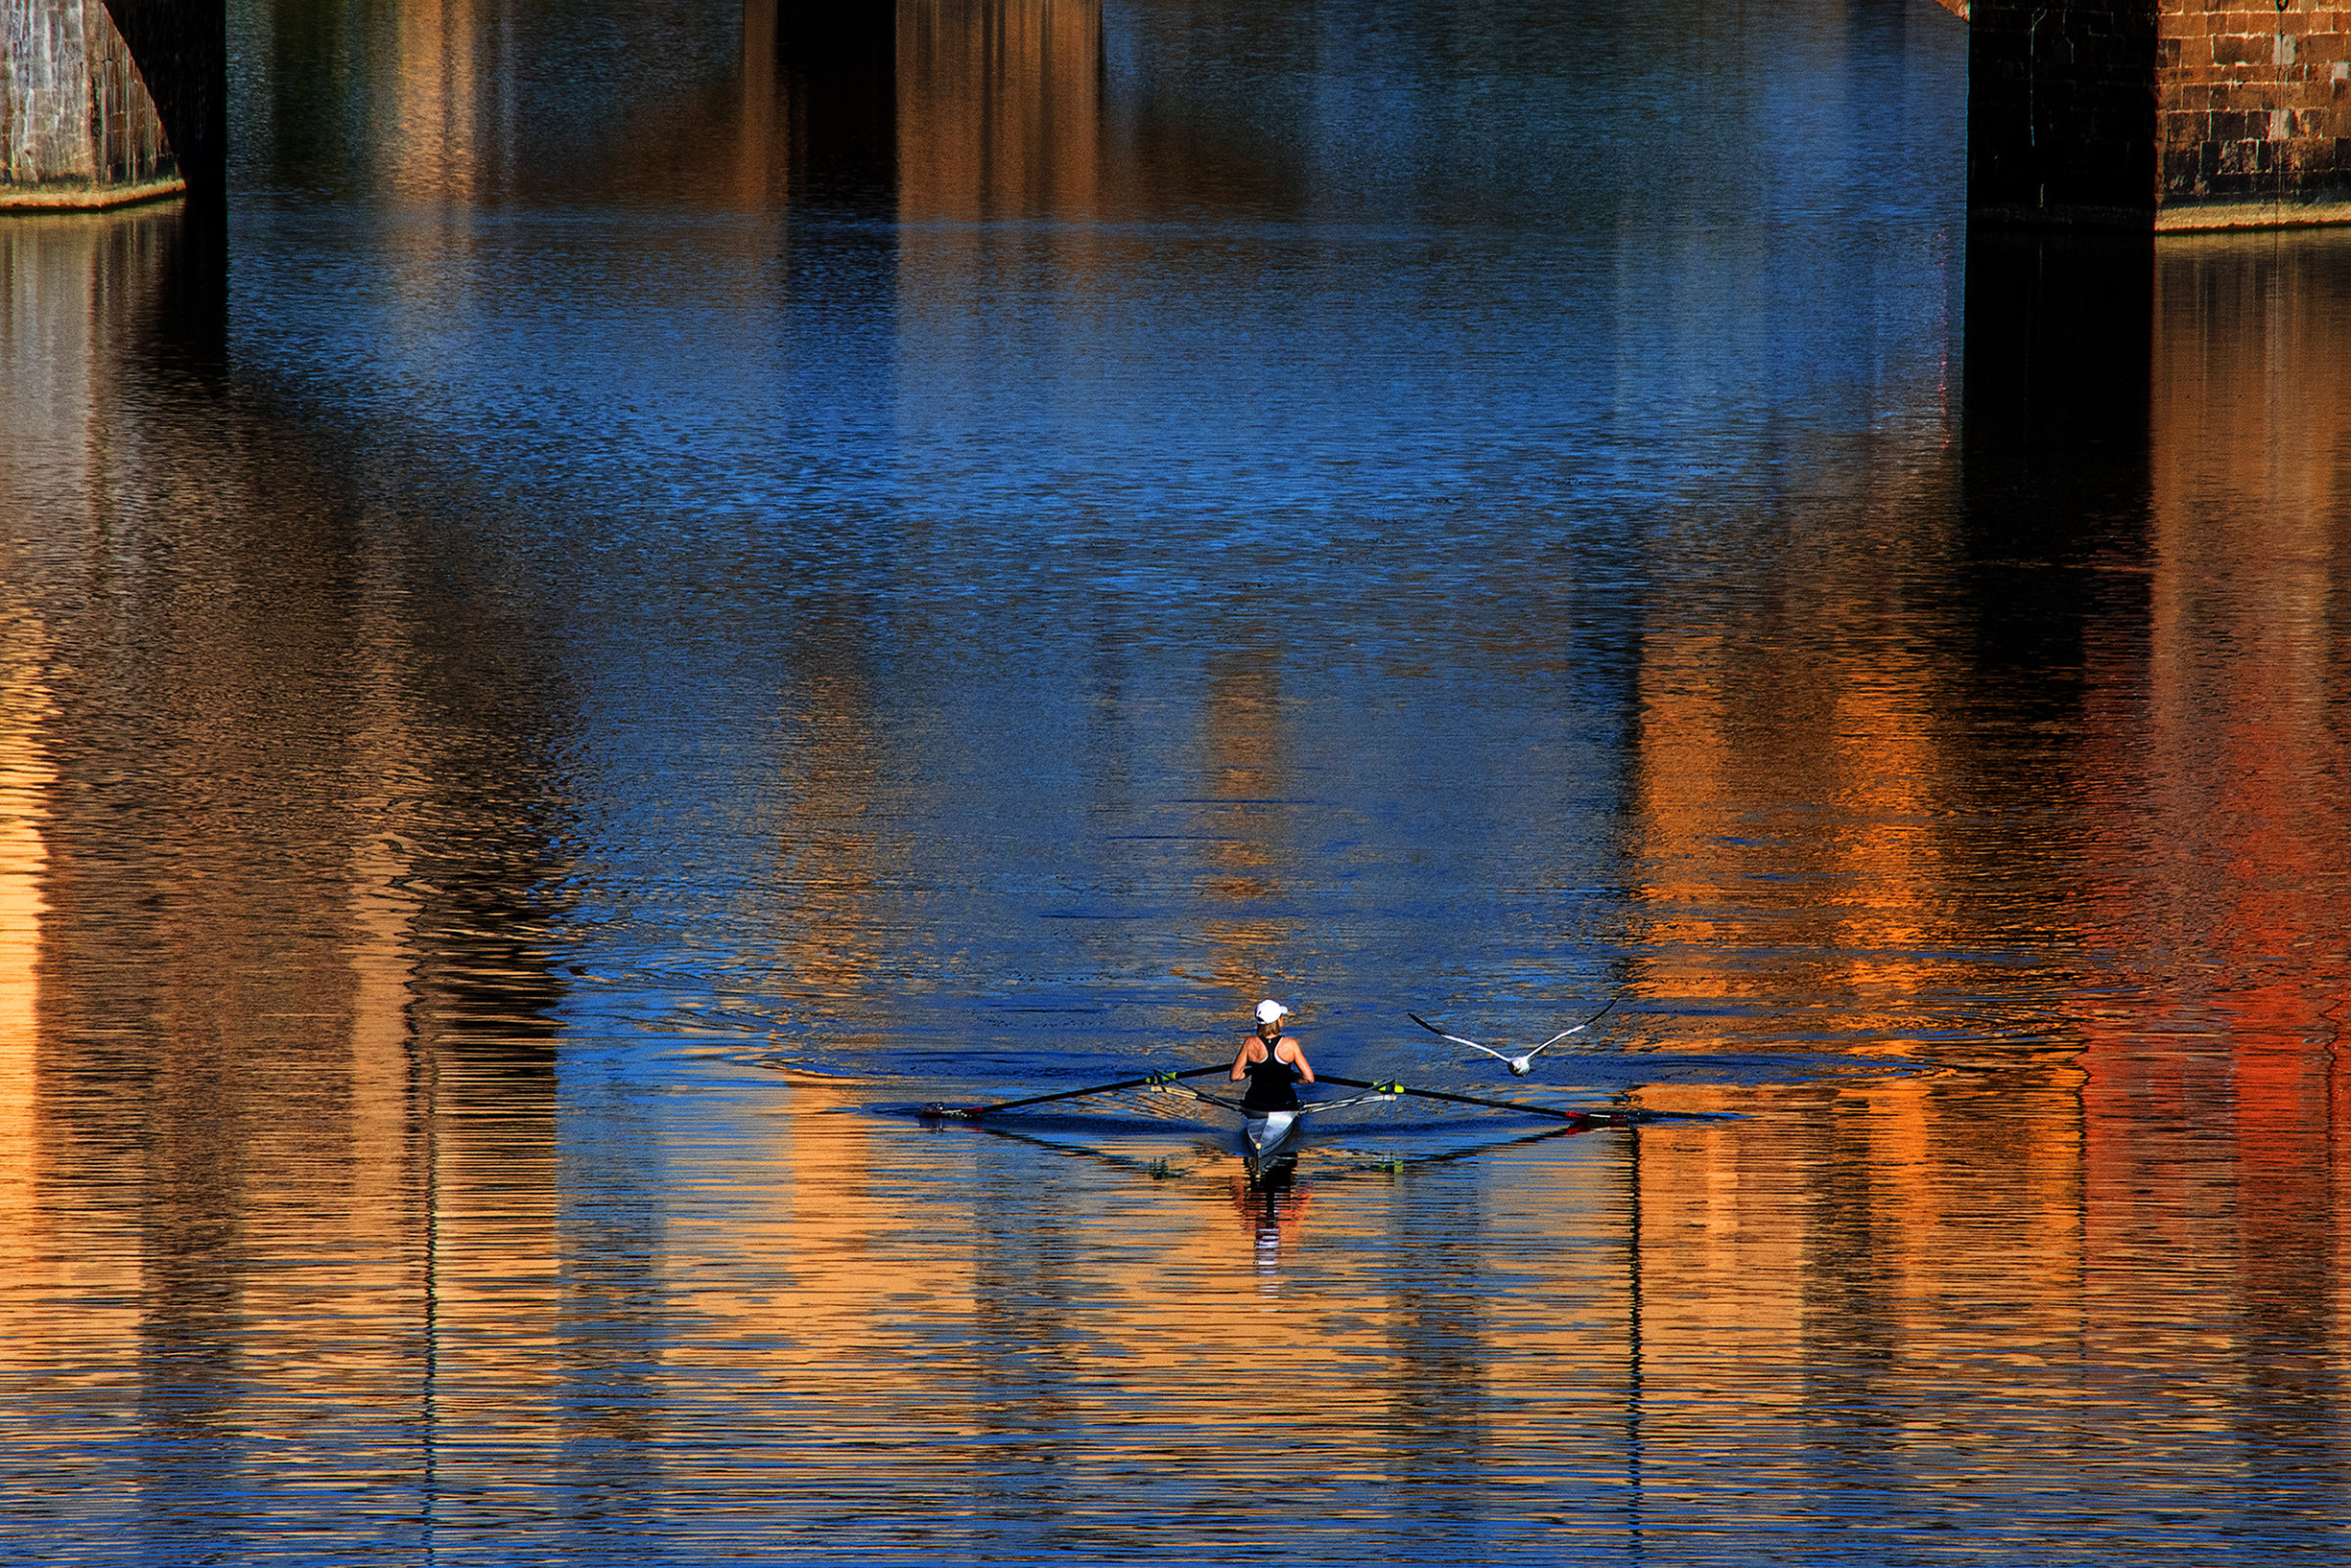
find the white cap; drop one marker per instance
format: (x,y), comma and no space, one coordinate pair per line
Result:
(1267,1012)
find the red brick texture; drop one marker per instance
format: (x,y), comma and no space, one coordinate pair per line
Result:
(2254,100)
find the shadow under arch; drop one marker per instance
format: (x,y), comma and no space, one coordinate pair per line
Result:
(182,49)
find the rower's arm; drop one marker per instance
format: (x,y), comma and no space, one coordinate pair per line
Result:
(1241,1061)
(1306,1070)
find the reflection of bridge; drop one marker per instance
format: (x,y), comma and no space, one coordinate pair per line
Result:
(2111,113)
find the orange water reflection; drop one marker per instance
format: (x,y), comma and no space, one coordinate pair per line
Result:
(274,1063)
(2214,759)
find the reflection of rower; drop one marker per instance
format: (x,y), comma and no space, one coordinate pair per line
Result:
(1274,1065)
(1271,1207)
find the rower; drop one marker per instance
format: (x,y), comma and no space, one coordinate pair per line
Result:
(1274,1064)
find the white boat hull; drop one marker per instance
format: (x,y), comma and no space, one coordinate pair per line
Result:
(1271,1130)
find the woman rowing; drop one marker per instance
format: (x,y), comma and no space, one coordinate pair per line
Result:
(1274,1064)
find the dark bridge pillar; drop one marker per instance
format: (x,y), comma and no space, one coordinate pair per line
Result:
(2061,113)
(181,47)
(840,61)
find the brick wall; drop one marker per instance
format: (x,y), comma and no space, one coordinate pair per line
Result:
(2255,110)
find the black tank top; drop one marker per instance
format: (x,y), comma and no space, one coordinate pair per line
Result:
(1272,1082)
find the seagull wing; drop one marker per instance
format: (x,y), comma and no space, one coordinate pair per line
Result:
(1578,1028)
(1456,1039)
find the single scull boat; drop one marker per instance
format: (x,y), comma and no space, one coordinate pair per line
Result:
(1270,1131)
(1267,1130)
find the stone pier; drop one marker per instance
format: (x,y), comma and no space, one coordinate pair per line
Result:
(78,127)
(2158,115)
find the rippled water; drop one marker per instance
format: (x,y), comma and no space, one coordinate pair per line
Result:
(707,580)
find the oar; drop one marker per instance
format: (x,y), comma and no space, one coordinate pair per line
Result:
(934,1109)
(1589,1118)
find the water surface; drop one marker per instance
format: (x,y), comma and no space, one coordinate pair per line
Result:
(703,577)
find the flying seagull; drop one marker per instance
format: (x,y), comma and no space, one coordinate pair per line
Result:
(1519,1065)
